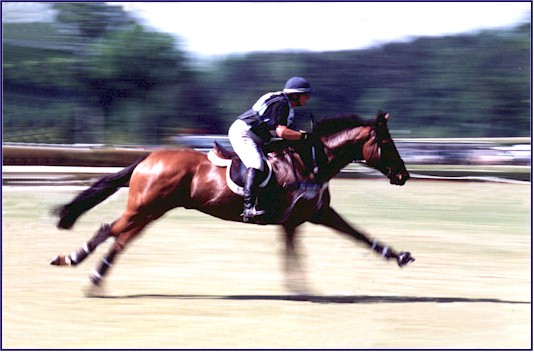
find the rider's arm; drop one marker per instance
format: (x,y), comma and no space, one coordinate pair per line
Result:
(281,111)
(289,134)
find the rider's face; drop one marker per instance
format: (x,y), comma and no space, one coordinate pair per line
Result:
(302,100)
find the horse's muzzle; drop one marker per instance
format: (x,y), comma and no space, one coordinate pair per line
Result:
(399,179)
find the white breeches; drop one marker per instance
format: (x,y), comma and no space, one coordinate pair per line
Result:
(246,144)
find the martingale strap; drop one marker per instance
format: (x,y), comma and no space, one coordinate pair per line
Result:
(315,167)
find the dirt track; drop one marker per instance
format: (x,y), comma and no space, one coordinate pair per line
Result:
(197,282)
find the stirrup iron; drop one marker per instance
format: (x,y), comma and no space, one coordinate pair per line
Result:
(251,213)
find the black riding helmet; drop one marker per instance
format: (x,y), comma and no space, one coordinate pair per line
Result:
(297,85)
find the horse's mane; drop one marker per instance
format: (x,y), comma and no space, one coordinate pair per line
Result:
(331,125)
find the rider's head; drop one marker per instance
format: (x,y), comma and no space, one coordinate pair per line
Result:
(298,90)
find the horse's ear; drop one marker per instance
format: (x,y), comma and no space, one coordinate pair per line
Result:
(383,116)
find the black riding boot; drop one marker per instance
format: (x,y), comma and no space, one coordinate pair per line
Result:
(250,187)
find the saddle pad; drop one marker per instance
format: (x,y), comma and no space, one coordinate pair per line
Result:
(235,171)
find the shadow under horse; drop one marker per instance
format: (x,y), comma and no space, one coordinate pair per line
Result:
(167,179)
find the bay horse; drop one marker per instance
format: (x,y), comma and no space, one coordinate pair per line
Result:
(167,179)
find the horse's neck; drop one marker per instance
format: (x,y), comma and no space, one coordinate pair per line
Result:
(342,148)
(346,138)
(293,164)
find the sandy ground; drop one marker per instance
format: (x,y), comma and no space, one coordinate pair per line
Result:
(195,282)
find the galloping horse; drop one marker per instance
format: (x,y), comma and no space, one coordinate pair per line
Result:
(167,179)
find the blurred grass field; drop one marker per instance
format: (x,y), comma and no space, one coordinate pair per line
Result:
(425,202)
(197,282)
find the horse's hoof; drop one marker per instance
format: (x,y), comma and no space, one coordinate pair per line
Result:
(404,258)
(60,260)
(94,291)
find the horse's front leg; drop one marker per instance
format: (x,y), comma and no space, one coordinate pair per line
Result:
(295,276)
(329,217)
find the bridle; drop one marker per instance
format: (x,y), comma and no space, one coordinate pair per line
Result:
(380,144)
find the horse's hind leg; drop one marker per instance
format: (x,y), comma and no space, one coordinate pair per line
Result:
(105,264)
(87,248)
(124,229)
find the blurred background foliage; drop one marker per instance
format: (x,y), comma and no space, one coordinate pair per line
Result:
(92,74)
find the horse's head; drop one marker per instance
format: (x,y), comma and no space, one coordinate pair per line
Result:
(381,153)
(349,138)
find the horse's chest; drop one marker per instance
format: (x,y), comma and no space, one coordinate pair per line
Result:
(300,201)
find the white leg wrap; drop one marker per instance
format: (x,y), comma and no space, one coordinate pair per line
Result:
(385,251)
(96,275)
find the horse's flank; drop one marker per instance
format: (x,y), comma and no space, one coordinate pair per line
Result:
(183,178)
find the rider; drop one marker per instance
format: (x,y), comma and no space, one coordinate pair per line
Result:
(269,117)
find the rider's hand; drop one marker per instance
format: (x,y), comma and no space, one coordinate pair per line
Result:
(304,135)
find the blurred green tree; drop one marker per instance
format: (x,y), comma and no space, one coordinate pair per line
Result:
(91,20)
(95,75)
(123,83)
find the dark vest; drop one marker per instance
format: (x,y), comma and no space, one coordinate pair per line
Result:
(270,110)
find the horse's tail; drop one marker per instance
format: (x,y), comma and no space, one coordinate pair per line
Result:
(94,195)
